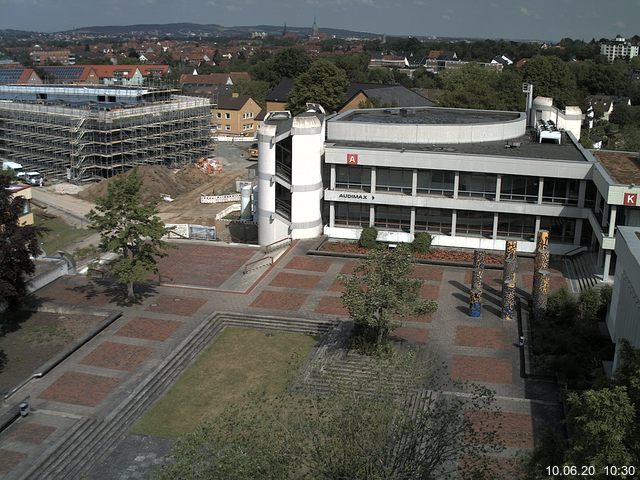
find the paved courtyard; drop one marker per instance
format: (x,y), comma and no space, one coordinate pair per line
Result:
(197,280)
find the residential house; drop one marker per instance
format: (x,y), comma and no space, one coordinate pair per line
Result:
(619,48)
(17,74)
(24,191)
(501,60)
(236,115)
(388,61)
(128,75)
(277,98)
(606,103)
(42,57)
(211,85)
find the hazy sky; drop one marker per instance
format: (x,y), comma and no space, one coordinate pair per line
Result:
(524,19)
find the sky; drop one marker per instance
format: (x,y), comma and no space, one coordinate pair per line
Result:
(509,19)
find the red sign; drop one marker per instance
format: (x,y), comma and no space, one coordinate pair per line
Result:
(630,198)
(352,158)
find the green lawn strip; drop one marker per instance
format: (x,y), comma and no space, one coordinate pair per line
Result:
(239,361)
(60,234)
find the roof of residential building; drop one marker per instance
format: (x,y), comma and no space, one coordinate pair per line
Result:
(280,92)
(14,75)
(232,103)
(388,95)
(624,167)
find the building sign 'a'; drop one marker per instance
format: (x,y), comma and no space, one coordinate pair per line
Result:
(630,199)
(352,158)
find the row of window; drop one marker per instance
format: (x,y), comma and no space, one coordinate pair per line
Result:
(441,182)
(439,221)
(245,127)
(228,115)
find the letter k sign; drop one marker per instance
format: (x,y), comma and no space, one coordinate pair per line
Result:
(630,198)
(352,158)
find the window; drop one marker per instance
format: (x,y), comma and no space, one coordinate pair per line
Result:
(352,214)
(519,189)
(561,230)
(433,220)
(227,116)
(391,217)
(513,226)
(283,201)
(219,115)
(394,180)
(476,224)
(353,178)
(227,127)
(435,182)
(560,190)
(477,185)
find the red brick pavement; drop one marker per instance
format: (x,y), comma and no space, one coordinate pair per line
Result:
(411,334)
(556,282)
(279,300)
(514,429)
(485,337)
(417,319)
(31,432)
(336,286)
(295,280)
(348,267)
(202,265)
(80,388)
(481,369)
(149,329)
(118,356)
(428,272)
(313,264)
(76,290)
(175,305)
(331,306)
(500,468)
(430,292)
(9,459)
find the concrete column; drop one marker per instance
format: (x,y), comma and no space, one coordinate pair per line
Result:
(612,220)
(582,192)
(414,183)
(600,256)
(605,215)
(456,184)
(454,219)
(607,265)
(498,187)
(412,228)
(540,190)
(494,236)
(578,233)
(332,180)
(373,180)
(372,215)
(537,226)
(332,214)
(596,206)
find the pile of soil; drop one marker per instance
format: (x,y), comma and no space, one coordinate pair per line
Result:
(156,180)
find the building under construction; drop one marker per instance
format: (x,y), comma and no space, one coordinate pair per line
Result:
(87,132)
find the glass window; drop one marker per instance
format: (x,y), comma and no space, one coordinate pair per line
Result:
(391,217)
(560,190)
(227,116)
(351,214)
(433,220)
(561,230)
(512,226)
(519,189)
(394,180)
(435,182)
(477,185)
(353,178)
(476,224)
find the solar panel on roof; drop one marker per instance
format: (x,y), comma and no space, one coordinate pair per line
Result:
(10,75)
(64,73)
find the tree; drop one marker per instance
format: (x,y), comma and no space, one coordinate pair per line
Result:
(368,428)
(381,291)
(291,62)
(323,83)
(130,228)
(18,245)
(256,89)
(551,77)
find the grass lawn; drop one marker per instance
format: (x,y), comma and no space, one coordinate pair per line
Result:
(60,234)
(239,361)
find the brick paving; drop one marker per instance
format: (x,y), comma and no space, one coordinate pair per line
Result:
(336,286)
(429,292)
(9,459)
(411,334)
(331,306)
(149,329)
(31,432)
(117,356)
(485,337)
(429,272)
(481,369)
(556,282)
(80,389)
(276,300)
(348,267)
(313,264)
(76,290)
(295,280)
(514,429)
(176,305)
(492,278)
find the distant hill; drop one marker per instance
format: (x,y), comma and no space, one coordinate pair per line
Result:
(195,29)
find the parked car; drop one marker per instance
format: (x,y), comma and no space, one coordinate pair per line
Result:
(32,178)
(253,150)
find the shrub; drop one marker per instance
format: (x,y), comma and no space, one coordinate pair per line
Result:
(368,237)
(422,242)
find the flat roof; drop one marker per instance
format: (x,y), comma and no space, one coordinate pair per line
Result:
(528,148)
(623,167)
(426,116)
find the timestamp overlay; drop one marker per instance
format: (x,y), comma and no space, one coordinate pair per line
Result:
(622,471)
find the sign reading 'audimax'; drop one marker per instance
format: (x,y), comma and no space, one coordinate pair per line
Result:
(356,196)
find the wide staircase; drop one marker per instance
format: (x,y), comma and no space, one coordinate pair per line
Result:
(580,265)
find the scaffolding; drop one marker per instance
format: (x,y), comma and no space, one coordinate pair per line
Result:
(83,144)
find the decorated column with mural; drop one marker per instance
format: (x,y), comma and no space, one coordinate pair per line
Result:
(541,275)
(508,300)
(475,307)
(509,279)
